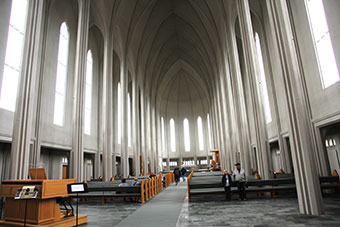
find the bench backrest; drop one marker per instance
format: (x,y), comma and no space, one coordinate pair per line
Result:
(129,189)
(329,179)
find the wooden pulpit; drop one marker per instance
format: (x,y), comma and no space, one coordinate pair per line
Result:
(217,162)
(42,211)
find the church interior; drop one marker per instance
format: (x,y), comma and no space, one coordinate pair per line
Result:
(97,91)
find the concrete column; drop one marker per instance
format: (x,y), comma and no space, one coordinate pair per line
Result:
(252,72)
(135,126)
(223,125)
(77,157)
(40,37)
(143,133)
(106,122)
(148,133)
(100,139)
(300,126)
(124,119)
(30,71)
(239,99)
(154,150)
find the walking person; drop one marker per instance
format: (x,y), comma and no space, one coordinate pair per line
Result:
(183,173)
(177,174)
(226,182)
(239,176)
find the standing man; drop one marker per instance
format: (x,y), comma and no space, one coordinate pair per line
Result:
(240,178)
(177,174)
(226,182)
(183,173)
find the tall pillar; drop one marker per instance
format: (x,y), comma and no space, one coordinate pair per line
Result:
(135,126)
(106,133)
(153,143)
(300,126)
(143,132)
(124,80)
(252,72)
(77,158)
(30,70)
(225,146)
(239,99)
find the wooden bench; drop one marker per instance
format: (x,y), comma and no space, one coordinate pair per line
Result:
(105,190)
(111,189)
(211,184)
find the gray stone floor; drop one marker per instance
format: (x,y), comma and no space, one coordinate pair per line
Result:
(257,211)
(108,214)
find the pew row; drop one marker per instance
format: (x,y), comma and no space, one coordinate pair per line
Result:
(107,190)
(211,185)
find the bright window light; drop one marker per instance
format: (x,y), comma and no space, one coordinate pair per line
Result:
(174,163)
(209,131)
(119,117)
(186,135)
(129,119)
(204,162)
(262,80)
(172,136)
(328,67)
(88,92)
(60,90)
(200,133)
(330,142)
(14,47)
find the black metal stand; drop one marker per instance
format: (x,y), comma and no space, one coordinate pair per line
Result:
(77,212)
(25,212)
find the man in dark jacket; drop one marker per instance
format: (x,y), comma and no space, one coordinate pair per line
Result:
(177,174)
(183,173)
(226,182)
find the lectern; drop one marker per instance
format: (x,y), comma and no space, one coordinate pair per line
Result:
(42,211)
(216,164)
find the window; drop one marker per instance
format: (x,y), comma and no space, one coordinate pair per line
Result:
(326,142)
(262,80)
(88,93)
(163,135)
(209,131)
(64,160)
(129,119)
(330,142)
(14,47)
(200,133)
(60,90)
(174,163)
(119,117)
(164,164)
(186,135)
(172,136)
(204,162)
(189,163)
(328,67)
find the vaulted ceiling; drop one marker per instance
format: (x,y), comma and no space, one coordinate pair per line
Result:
(162,40)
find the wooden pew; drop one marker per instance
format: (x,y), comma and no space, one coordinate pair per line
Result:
(211,184)
(110,189)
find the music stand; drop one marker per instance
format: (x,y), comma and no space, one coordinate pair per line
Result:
(77,188)
(37,173)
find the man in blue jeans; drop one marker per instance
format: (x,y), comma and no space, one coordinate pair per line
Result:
(239,176)
(183,173)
